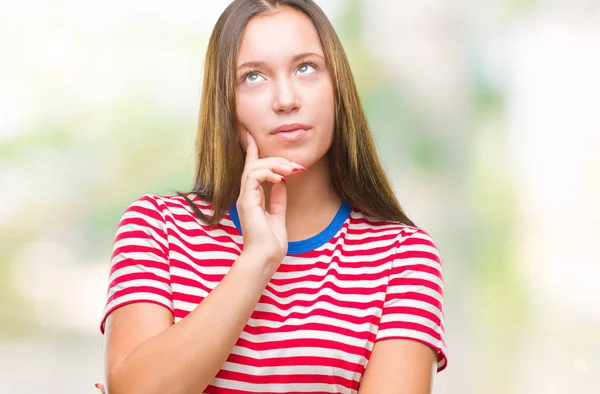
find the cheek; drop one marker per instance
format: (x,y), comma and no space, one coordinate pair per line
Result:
(251,111)
(244,109)
(324,104)
(251,103)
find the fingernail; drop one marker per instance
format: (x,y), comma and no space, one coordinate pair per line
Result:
(283,179)
(97,385)
(248,136)
(295,170)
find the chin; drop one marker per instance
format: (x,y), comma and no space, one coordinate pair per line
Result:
(303,156)
(295,156)
(307,158)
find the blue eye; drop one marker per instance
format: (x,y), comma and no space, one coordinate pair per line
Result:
(252,77)
(306,68)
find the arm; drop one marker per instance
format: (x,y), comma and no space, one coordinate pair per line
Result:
(409,347)
(400,366)
(146,353)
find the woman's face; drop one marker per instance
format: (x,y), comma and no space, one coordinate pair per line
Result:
(284,95)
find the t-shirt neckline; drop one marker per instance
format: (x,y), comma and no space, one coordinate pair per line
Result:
(314,242)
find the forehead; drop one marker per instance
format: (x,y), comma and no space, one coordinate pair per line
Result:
(273,36)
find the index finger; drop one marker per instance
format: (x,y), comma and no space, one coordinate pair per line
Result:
(252,149)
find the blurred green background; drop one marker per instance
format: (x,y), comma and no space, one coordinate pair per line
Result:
(486,115)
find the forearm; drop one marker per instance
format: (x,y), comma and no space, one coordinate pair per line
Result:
(185,358)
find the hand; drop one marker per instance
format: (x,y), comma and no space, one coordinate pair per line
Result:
(264,229)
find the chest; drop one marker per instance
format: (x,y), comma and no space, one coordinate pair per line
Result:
(312,329)
(318,320)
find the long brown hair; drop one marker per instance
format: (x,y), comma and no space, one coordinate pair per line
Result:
(356,170)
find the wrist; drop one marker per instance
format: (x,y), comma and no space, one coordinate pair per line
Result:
(256,265)
(262,256)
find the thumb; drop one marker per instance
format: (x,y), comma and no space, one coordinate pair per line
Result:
(278,200)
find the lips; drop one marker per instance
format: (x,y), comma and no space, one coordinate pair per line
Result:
(293,135)
(292,127)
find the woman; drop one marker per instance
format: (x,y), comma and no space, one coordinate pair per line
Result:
(331,288)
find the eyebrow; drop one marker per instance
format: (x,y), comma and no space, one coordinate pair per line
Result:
(254,64)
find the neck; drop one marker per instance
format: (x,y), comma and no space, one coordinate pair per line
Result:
(312,201)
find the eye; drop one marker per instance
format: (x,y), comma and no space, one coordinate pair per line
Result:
(252,77)
(307,68)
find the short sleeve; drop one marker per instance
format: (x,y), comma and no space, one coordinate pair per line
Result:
(413,307)
(139,267)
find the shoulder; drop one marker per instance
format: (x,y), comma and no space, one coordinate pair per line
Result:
(406,238)
(177,200)
(170,205)
(403,232)
(157,217)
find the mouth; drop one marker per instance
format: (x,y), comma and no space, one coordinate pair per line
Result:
(291,132)
(293,135)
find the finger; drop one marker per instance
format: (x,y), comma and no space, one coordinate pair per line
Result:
(251,189)
(251,150)
(280,160)
(276,166)
(268,162)
(259,175)
(283,169)
(278,201)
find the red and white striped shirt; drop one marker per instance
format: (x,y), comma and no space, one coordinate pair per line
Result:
(335,295)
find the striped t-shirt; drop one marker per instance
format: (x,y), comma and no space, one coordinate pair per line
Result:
(359,281)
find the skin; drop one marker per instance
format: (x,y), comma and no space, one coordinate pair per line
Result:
(275,86)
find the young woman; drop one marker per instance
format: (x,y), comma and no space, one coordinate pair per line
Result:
(290,267)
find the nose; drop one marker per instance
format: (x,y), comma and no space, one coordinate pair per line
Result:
(285,99)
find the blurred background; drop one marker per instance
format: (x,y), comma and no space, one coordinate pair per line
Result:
(486,114)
